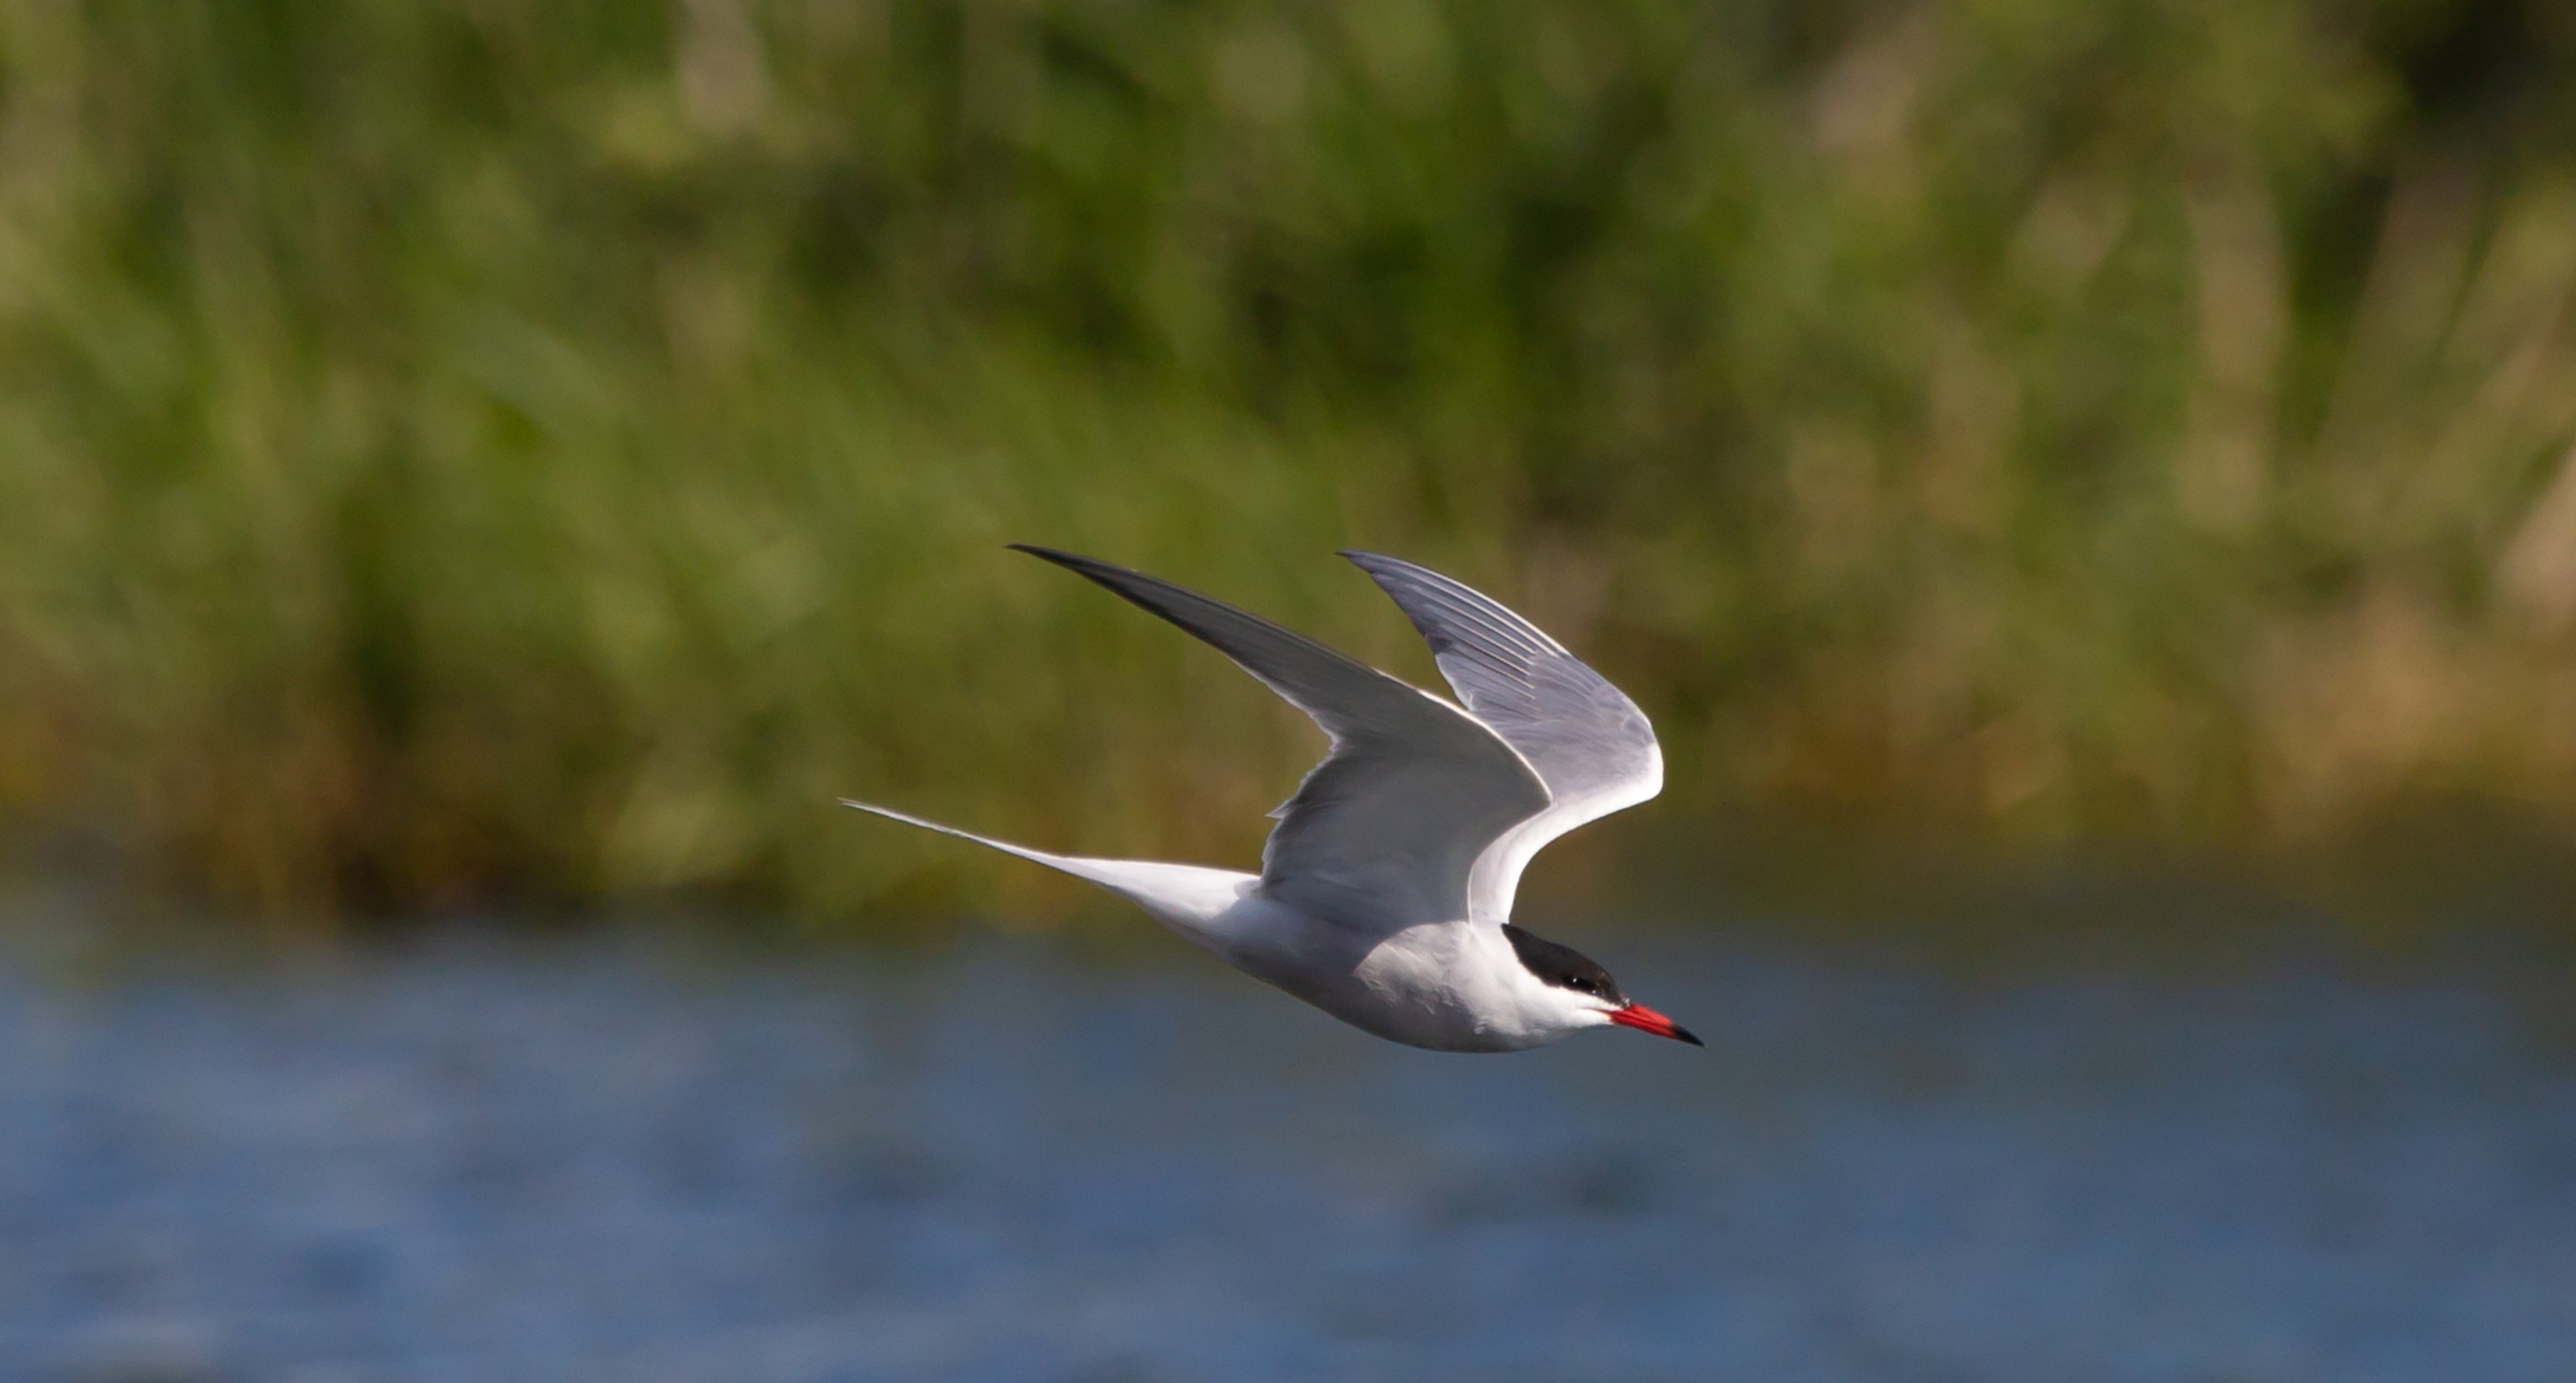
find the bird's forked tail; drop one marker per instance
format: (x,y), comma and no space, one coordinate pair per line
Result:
(1181,895)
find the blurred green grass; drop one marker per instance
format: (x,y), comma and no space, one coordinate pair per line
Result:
(554,449)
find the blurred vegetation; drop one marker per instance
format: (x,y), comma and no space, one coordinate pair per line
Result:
(557,448)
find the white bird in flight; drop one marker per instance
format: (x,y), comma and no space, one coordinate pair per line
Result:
(1385,891)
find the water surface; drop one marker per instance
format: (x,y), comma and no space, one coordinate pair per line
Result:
(606,1159)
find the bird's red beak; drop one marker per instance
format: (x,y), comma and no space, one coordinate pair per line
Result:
(1644,1019)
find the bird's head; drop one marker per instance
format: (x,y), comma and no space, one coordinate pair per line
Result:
(1583,992)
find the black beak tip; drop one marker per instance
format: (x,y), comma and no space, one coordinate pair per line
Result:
(1687,1035)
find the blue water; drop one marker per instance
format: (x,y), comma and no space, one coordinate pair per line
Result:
(604,1159)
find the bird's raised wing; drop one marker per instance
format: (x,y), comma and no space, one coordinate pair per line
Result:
(1388,829)
(1587,742)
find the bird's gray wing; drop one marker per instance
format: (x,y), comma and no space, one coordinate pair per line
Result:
(1386,831)
(1587,742)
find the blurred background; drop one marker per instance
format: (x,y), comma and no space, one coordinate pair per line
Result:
(512,449)
(2050,469)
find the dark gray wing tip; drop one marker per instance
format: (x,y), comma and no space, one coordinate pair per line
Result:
(1062,558)
(1135,587)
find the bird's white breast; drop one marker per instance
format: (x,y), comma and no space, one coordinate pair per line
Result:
(1450,986)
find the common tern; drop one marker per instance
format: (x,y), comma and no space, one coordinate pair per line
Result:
(1385,891)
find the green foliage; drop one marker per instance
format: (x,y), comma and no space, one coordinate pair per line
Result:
(560,447)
